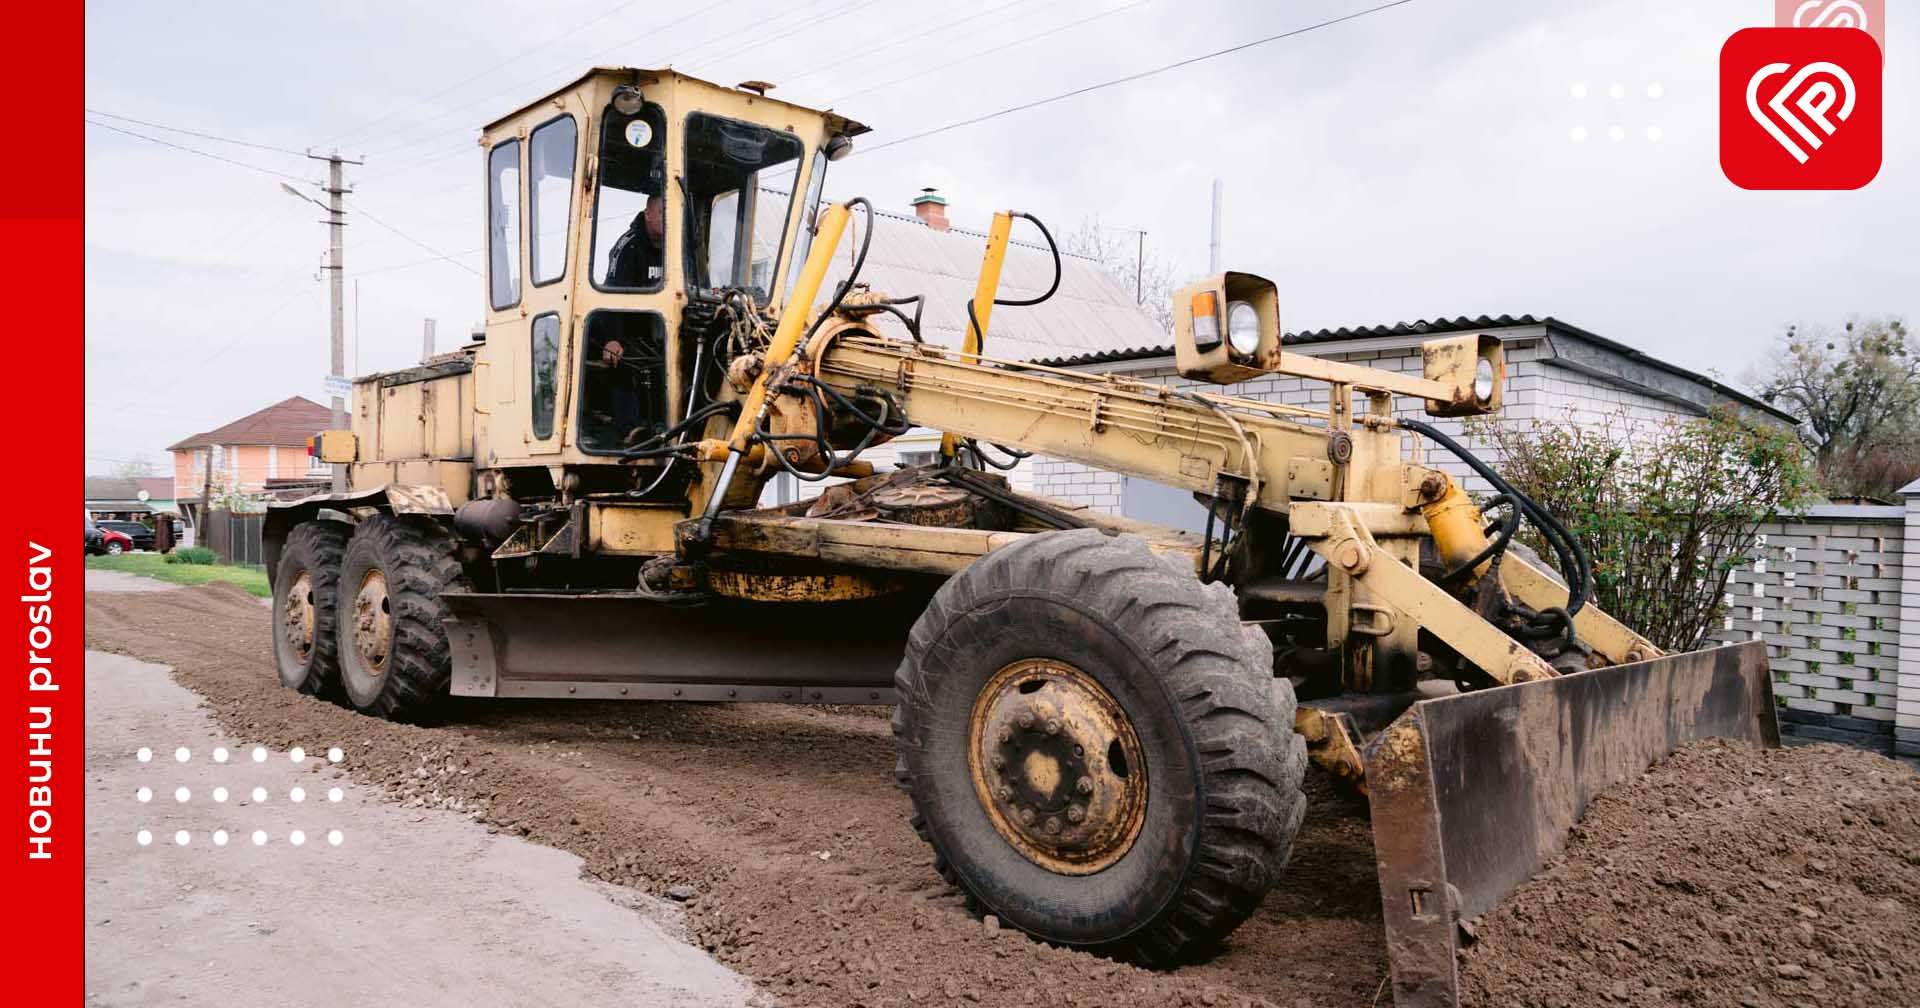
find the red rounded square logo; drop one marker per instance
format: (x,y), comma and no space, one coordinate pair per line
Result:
(1800,108)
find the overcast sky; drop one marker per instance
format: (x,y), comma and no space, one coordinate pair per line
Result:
(1413,163)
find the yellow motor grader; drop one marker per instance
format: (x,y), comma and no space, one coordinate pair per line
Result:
(1103,724)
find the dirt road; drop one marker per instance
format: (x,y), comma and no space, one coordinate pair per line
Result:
(324,923)
(782,820)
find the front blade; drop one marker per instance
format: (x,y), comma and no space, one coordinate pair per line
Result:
(1472,793)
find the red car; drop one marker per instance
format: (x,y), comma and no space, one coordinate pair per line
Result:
(109,542)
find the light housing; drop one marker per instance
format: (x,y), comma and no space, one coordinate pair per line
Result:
(1226,328)
(839,147)
(627,100)
(1472,367)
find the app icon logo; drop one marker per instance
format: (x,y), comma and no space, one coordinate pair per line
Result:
(1800,108)
(1867,15)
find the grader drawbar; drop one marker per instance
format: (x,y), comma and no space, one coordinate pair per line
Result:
(1103,724)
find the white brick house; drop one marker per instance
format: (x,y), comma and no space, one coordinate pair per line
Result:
(1554,371)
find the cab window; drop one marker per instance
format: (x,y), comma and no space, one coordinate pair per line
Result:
(740,188)
(629,210)
(503,224)
(550,151)
(546,373)
(623,381)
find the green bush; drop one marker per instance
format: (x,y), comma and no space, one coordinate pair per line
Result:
(193,555)
(1665,511)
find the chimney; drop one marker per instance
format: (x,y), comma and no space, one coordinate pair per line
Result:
(931,208)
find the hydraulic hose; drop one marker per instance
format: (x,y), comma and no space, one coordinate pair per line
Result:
(1053,247)
(1574,562)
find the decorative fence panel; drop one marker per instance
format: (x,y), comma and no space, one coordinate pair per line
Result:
(1825,590)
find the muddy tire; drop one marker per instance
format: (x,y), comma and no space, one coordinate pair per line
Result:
(305,644)
(1097,750)
(394,662)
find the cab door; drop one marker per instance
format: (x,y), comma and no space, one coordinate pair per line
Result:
(553,155)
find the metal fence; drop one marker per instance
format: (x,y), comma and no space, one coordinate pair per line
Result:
(236,538)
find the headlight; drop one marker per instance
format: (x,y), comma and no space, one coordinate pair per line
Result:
(627,100)
(1483,381)
(1243,328)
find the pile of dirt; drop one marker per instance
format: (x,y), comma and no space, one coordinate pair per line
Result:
(1725,875)
(779,825)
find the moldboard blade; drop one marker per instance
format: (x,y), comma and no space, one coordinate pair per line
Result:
(1471,794)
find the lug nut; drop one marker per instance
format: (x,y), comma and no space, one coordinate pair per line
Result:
(1079,752)
(1025,720)
(1006,735)
(1026,816)
(1053,825)
(1084,785)
(1006,793)
(999,762)
(1053,726)
(1075,813)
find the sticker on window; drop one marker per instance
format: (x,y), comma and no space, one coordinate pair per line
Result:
(639,133)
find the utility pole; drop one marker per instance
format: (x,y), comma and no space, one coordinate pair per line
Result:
(1139,269)
(426,342)
(1213,247)
(336,266)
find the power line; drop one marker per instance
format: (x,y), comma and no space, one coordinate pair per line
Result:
(1141,75)
(546,76)
(988,52)
(463,82)
(896,43)
(198,151)
(197,133)
(832,15)
(362,211)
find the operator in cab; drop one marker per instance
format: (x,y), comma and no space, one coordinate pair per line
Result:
(638,258)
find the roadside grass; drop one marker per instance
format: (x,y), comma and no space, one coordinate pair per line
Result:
(153,565)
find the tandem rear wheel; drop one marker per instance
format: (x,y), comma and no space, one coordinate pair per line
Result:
(1096,749)
(358,613)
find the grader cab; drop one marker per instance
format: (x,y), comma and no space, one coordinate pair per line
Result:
(1103,725)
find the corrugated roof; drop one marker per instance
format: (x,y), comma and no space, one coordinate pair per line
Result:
(1422,327)
(1088,314)
(1441,326)
(290,421)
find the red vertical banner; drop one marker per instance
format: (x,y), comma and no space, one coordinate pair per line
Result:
(42,248)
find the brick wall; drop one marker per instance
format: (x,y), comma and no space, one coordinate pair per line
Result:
(1824,591)
(1537,388)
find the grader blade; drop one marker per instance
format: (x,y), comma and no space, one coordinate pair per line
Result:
(1471,794)
(611,646)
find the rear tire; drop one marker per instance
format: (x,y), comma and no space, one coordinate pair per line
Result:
(394,662)
(305,646)
(1024,631)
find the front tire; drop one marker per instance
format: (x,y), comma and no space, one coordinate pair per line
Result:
(305,646)
(1097,750)
(394,662)
(115,549)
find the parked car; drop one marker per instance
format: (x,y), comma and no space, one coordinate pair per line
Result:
(141,535)
(107,542)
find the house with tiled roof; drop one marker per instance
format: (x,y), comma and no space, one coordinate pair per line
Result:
(262,452)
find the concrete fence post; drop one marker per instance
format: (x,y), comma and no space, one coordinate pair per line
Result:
(1906,730)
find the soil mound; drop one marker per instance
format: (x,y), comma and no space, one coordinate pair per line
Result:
(1725,875)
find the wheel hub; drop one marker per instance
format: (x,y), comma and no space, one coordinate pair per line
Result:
(373,622)
(1057,766)
(296,615)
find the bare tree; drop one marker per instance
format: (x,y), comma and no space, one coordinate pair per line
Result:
(139,465)
(1137,265)
(1859,391)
